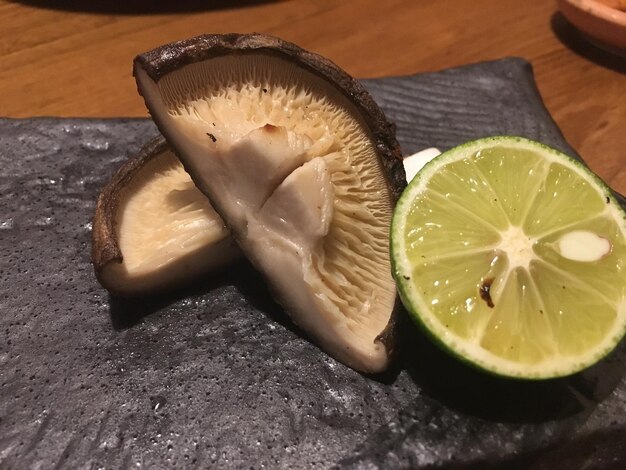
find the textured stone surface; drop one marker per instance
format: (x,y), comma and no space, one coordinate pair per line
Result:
(216,375)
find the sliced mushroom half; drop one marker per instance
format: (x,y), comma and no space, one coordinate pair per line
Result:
(304,168)
(153,230)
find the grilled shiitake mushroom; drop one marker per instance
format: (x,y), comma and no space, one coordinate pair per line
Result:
(303,167)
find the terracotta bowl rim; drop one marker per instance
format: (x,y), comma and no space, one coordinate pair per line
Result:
(599,10)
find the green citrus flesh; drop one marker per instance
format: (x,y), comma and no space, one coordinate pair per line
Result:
(480,253)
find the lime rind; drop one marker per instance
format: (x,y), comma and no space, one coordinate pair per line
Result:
(473,352)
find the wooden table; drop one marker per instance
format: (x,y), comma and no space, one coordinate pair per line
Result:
(74,59)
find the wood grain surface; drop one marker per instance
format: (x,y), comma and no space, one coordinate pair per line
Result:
(73,58)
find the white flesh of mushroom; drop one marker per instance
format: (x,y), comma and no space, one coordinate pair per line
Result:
(295,175)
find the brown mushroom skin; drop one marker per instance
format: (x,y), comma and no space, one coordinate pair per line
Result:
(104,245)
(161,61)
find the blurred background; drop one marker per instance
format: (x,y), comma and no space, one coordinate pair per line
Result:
(73,58)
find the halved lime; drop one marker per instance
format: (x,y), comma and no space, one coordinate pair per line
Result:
(512,256)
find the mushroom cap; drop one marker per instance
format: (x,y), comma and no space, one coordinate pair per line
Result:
(304,168)
(161,61)
(153,230)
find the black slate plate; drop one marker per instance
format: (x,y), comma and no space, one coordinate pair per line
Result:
(216,375)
